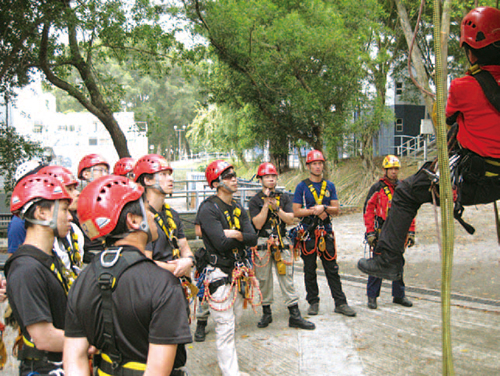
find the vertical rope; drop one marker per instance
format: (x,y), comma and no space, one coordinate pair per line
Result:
(445,192)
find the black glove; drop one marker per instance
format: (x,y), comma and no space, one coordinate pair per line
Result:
(371,238)
(411,239)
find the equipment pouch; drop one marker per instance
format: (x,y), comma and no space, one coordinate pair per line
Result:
(281,267)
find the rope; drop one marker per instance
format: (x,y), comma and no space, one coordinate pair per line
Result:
(252,291)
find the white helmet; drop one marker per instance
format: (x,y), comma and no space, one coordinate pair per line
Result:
(26,168)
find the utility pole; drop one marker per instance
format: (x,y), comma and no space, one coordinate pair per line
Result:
(179,130)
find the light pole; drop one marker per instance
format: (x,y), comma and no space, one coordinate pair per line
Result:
(179,130)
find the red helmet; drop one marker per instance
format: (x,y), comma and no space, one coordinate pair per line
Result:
(124,166)
(480,27)
(313,156)
(102,201)
(266,169)
(150,164)
(215,169)
(89,161)
(34,187)
(60,173)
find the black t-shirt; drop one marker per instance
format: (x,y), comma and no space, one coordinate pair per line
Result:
(162,248)
(149,304)
(213,222)
(255,206)
(34,292)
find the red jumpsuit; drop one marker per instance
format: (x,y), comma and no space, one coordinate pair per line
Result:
(377,205)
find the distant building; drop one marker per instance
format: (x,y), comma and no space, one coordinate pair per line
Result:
(407,120)
(69,135)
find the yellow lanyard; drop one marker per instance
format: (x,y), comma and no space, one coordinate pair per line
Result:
(319,200)
(171,227)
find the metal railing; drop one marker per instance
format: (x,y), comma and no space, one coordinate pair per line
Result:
(413,145)
(183,189)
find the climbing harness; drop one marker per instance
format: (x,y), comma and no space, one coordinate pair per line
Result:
(109,267)
(242,277)
(304,230)
(274,245)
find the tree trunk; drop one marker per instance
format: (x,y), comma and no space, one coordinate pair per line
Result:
(416,56)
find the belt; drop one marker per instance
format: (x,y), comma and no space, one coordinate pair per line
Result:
(213,286)
(105,368)
(30,352)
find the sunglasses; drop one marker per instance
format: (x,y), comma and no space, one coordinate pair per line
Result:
(228,175)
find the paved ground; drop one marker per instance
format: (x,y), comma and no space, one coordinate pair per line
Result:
(391,340)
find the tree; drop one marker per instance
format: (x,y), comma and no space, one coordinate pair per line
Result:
(224,128)
(295,61)
(14,149)
(61,37)
(159,99)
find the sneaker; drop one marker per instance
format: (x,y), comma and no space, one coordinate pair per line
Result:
(345,310)
(405,302)
(378,268)
(313,309)
(372,303)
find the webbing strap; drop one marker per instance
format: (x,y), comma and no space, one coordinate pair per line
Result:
(109,266)
(50,262)
(233,218)
(319,200)
(166,216)
(488,84)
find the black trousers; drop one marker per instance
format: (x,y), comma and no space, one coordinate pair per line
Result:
(412,192)
(331,271)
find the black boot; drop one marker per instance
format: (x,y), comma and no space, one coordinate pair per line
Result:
(372,303)
(384,267)
(200,333)
(267,317)
(405,302)
(297,321)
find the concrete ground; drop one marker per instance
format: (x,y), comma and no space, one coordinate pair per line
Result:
(392,340)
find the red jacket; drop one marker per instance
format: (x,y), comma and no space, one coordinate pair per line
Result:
(478,121)
(377,204)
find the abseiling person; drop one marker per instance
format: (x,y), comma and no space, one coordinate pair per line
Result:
(123,304)
(473,105)
(270,212)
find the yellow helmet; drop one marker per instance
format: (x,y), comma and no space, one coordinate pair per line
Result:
(391,161)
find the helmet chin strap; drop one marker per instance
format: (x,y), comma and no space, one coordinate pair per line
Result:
(157,185)
(223,185)
(144,226)
(51,224)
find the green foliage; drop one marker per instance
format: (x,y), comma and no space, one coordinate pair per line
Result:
(14,150)
(64,40)
(295,62)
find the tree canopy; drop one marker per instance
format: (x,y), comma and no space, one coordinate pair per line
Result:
(58,38)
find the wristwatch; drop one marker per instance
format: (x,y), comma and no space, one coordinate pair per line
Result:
(326,208)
